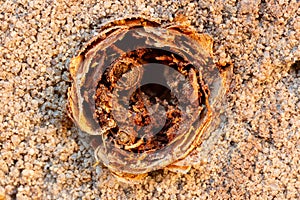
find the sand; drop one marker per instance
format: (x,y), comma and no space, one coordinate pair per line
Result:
(257,153)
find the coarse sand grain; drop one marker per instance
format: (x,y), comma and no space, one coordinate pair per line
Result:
(257,155)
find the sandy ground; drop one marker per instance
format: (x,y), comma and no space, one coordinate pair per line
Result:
(257,155)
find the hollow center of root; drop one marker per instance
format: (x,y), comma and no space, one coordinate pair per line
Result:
(144,97)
